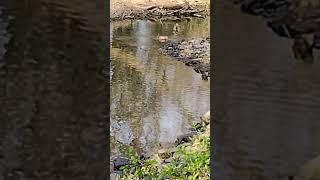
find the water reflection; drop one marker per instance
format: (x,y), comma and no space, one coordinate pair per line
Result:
(154,98)
(52,90)
(143,39)
(266,105)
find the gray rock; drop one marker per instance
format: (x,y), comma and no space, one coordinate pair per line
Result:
(119,162)
(184,138)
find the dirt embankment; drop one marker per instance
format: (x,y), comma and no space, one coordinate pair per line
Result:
(158,10)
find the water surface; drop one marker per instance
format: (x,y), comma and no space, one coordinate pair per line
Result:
(266,102)
(52,90)
(153,97)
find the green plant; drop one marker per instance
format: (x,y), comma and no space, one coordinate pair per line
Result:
(190,161)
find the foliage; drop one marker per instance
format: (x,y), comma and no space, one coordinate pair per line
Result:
(190,161)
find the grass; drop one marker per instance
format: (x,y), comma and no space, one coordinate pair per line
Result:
(190,161)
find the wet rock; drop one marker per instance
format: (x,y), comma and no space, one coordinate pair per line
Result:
(290,19)
(185,138)
(316,41)
(280,29)
(266,8)
(303,50)
(119,162)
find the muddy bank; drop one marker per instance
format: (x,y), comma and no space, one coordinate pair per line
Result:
(158,11)
(194,53)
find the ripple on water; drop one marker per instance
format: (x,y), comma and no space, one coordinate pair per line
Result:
(53,98)
(157,96)
(271,102)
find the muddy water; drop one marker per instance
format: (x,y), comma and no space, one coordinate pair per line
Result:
(52,90)
(266,103)
(153,97)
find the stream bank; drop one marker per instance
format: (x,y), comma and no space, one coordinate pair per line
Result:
(194,53)
(192,156)
(155,98)
(158,10)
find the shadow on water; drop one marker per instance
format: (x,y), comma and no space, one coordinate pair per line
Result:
(52,90)
(154,98)
(267,103)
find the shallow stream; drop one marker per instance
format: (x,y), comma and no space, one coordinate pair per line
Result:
(154,98)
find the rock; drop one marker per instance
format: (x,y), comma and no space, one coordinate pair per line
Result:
(310,170)
(290,19)
(205,76)
(195,53)
(184,138)
(115,175)
(119,162)
(280,29)
(316,40)
(303,50)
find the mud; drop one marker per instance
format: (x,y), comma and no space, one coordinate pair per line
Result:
(195,53)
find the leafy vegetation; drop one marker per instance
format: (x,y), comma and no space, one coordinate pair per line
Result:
(190,161)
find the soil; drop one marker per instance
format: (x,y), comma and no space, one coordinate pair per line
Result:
(195,53)
(158,10)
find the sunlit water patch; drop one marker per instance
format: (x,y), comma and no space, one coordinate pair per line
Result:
(153,97)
